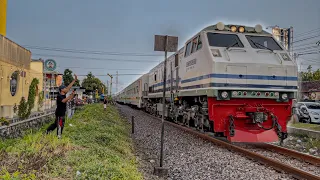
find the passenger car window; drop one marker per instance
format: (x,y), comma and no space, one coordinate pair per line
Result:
(176,60)
(224,40)
(188,49)
(263,42)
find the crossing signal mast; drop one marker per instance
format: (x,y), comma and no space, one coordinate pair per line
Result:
(284,36)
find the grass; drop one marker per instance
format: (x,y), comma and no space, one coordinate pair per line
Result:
(96,146)
(315,127)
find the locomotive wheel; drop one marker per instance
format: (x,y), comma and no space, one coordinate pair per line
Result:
(196,122)
(201,123)
(175,119)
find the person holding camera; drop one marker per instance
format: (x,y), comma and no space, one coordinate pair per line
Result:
(60,112)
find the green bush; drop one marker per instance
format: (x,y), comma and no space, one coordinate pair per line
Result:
(25,107)
(4,121)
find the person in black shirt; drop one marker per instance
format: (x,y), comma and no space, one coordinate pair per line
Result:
(105,102)
(61,108)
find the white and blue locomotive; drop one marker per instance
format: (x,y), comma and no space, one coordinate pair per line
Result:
(233,80)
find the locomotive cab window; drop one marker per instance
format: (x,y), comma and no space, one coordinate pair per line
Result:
(224,40)
(199,46)
(194,45)
(263,42)
(188,49)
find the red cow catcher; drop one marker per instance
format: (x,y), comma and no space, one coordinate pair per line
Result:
(250,119)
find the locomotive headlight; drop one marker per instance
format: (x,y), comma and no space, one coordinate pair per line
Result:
(224,94)
(258,28)
(220,26)
(241,29)
(233,28)
(284,96)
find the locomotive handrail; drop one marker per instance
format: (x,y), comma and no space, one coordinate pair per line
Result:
(265,50)
(279,57)
(227,54)
(236,49)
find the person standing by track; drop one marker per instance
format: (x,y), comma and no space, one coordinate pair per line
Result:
(105,102)
(61,108)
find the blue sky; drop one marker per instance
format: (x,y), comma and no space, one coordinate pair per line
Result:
(129,26)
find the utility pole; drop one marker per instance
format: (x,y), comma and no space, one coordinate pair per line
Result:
(117,81)
(51,90)
(110,83)
(107,88)
(166,44)
(295,57)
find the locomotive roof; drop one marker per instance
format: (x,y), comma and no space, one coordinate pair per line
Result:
(248,29)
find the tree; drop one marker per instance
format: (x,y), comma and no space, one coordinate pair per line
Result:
(90,82)
(68,78)
(309,75)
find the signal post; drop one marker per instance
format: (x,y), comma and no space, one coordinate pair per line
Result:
(166,44)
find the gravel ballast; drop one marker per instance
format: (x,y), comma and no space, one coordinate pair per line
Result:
(187,156)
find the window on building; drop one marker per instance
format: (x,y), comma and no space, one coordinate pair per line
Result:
(14,83)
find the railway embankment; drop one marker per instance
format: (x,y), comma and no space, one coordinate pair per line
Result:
(95,144)
(304,138)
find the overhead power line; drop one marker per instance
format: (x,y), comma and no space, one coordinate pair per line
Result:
(118,69)
(307,53)
(308,32)
(308,48)
(88,51)
(307,44)
(306,38)
(112,75)
(97,59)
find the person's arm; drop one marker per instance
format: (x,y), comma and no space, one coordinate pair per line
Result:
(71,84)
(68,98)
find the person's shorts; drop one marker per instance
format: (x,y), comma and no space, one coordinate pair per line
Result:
(105,105)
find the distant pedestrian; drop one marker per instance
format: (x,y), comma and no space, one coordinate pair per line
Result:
(105,102)
(61,108)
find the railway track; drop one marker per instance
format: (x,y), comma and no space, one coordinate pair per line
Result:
(291,153)
(277,165)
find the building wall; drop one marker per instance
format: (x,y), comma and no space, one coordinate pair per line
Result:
(7,101)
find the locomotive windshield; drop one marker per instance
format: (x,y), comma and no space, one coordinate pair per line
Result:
(224,40)
(263,42)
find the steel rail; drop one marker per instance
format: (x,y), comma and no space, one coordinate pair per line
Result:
(297,173)
(292,153)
